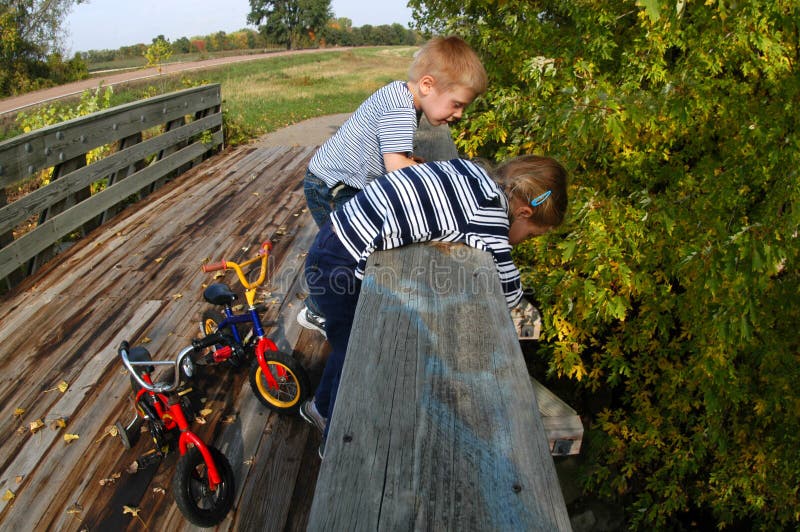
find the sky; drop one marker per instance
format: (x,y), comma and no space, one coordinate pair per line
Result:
(110,24)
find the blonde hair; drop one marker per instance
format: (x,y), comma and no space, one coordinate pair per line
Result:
(531,177)
(451,62)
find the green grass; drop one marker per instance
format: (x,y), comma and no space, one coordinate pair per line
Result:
(263,95)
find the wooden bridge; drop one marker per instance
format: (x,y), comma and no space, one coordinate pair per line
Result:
(138,277)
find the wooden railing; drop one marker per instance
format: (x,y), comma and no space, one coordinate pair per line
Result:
(151,140)
(436,425)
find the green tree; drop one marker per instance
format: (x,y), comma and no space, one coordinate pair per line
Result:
(673,287)
(158,52)
(30,44)
(289,22)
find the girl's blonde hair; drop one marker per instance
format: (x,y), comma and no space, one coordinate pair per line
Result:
(537,179)
(451,62)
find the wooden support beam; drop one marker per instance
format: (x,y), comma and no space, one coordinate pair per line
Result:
(436,425)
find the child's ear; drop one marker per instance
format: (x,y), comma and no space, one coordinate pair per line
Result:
(523,211)
(425,84)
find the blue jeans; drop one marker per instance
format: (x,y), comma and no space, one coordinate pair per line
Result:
(321,200)
(330,275)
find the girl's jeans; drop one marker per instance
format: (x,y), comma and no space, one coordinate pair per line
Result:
(330,275)
(321,200)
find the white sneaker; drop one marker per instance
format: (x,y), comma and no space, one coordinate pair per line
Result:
(309,412)
(311,320)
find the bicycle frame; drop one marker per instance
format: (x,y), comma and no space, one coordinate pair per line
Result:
(171,412)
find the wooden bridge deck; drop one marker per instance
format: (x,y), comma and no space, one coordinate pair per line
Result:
(139,278)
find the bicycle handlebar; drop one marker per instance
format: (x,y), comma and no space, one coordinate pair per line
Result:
(214,266)
(263,255)
(164,386)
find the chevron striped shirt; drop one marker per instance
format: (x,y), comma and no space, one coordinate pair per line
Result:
(444,201)
(384,123)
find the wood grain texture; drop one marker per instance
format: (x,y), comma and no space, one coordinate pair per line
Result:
(433,427)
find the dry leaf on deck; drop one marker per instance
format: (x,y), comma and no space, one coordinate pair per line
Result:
(63,386)
(70,437)
(8,495)
(75,509)
(36,425)
(131,510)
(18,412)
(159,259)
(145,340)
(133,468)
(206,411)
(230,419)
(159,490)
(18,479)
(58,423)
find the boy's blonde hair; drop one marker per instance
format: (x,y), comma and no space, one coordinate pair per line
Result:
(451,62)
(529,178)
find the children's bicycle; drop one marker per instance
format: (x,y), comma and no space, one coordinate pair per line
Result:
(203,485)
(277,379)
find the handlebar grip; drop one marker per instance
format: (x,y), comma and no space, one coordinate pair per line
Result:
(208,341)
(266,246)
(214,266)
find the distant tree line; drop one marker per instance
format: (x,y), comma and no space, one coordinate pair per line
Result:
(338,32)
(31,35)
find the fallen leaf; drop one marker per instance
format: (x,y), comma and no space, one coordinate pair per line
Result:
(110,430)
(58,423)
(200,420)
(250,461)
(255,193)
(130,510)
(133,468)
(206,411)
(36,425)
(18,479)
(75,509)
(145,340)
(70,437)
(8,495)
(218,275)
(159,490)
(63,386)
(18,412)
(159,259)
(230,419)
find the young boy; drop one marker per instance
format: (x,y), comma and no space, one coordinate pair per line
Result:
(445,76)
(452,201)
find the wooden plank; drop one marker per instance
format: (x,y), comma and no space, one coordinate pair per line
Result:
(39,199)
(561,422)
(46,147)
(28,245)
(443,436)
(32,453)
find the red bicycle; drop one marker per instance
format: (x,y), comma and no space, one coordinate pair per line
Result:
(203,485)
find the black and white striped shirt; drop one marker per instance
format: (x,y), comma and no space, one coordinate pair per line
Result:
(384,123)
(446,201)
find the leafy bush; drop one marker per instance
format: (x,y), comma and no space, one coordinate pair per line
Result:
(673,285)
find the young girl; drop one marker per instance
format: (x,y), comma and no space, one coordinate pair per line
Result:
(452,201)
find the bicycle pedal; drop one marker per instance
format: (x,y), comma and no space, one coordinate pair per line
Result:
(148,459)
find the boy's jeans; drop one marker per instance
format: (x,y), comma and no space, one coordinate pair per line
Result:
(330,275)
(321,200)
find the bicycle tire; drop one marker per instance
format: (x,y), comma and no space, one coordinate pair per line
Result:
(195,500)
(292,379)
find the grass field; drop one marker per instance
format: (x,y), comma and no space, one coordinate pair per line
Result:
(263,95)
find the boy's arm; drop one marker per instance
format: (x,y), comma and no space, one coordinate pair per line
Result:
(396,161)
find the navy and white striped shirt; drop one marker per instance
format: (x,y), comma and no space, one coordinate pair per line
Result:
(445,201)
(384,123)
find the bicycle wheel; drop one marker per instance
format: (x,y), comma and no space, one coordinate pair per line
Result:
(286,386)
(193,496)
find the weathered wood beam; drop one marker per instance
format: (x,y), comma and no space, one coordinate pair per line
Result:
(436,424)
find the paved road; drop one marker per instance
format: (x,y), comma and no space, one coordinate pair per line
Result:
(16,103)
